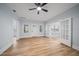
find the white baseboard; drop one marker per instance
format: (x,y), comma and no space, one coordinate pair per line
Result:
(75,47)
(25,36)
(31,36)
(4,48)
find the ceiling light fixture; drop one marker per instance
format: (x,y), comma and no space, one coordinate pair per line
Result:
(39,8)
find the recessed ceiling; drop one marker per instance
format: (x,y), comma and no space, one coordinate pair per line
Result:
(22,10)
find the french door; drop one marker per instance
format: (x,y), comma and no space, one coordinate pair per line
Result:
(66,31)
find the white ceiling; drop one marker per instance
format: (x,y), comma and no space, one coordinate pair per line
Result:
(53,10)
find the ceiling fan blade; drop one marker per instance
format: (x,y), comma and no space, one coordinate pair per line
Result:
(43,4)
(38,12)
(37,4)
(45,10)
(32,9)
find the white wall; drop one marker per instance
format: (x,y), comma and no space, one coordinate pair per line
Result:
(32,31)
(6,28)
(74,14)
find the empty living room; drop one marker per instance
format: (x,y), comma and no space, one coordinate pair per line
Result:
(39,29)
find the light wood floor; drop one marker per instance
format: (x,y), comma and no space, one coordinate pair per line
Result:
(40,46)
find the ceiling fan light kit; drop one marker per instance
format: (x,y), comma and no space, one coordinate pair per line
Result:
(39,8)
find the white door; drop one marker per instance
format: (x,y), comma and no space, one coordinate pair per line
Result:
(16,29)
(34,30)
(66,31)
(48,30)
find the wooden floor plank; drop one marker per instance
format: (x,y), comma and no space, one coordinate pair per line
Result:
(40,46)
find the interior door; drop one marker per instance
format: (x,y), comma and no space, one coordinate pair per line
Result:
(48,31)
(34,30)
(66,31)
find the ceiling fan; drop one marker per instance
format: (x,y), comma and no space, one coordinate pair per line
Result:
(39,7)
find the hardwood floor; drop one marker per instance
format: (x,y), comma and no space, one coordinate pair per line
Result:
(40,46)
